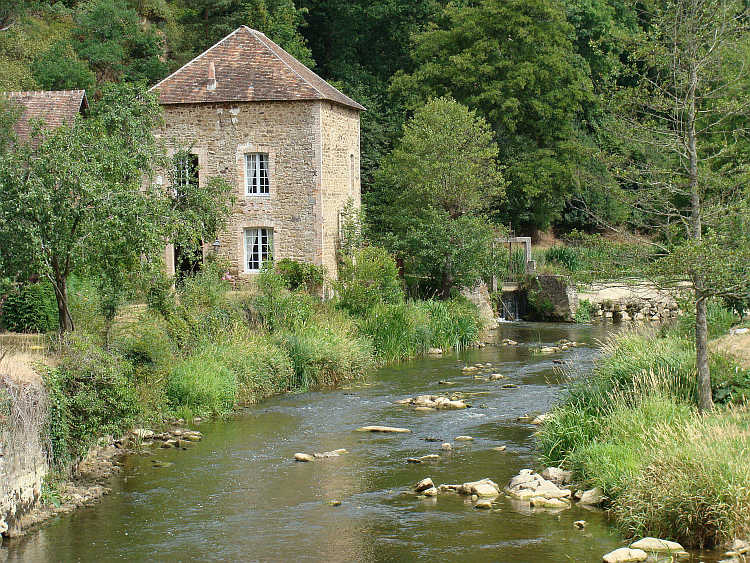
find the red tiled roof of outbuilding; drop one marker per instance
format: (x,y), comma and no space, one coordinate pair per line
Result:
(55,108)
(248,67)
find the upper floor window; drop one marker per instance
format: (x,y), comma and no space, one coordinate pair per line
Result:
(258,248)
(256,173)
(184,174)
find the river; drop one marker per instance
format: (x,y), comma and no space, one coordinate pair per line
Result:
(238,495)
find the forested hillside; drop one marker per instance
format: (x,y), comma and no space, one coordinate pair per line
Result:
(534,69)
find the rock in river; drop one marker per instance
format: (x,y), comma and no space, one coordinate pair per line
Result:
(557,475)
(423,485)
(655,545)
(527,485)
(299,456)
(463,438)
(625,555)
(592,497)
(483,504)
(383,429)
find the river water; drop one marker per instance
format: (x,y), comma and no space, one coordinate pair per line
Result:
(238,495)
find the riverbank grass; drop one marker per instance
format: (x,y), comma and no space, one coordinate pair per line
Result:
(632,428)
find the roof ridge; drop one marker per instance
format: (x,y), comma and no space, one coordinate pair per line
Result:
(275,54)
(198,57)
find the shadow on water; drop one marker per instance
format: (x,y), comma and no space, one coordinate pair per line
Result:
(237,496)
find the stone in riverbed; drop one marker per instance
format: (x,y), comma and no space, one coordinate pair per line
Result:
(423,485)
(446,446)
(580,524)
(424,458)
(299,456)
(541,502)
(527,485)
(383,429)
(592,497)
(625,555)
(656,545)
(463,438)
(435,351)
(557,475)
(483,504)
(500,448)
(431,492)
(496,377)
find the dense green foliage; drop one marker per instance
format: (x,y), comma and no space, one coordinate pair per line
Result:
(366,278)
(29,308)
(435,189)
(90,395)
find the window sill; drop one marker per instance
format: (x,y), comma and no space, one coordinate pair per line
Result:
(260,196)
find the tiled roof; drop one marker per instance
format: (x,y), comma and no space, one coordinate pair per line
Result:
(248,67)
(56,108)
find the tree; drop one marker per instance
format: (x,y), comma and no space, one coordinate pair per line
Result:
(438,181)
(684,125)
(58,68)
(79,198)
(110,36)
(512,60)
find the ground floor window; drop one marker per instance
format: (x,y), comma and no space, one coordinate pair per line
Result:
(258,248)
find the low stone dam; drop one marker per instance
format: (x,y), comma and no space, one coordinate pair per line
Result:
(239,494)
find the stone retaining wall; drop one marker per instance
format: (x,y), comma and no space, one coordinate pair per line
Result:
(23,460)
(637,302)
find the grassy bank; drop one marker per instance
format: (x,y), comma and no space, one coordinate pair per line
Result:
(632,428)
(205,350)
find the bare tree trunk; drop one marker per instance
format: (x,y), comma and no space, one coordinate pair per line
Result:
(61,294)
(705,400)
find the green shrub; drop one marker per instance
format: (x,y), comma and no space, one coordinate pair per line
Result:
(85,305)
(275,307)
(202,384)
(368,278)
(453,324)
(398,331)
(718,318)
(91,394)
(145,343)
(300,275)
(564,256)
(30,308)
(325,355)
(584,311)
(261,367)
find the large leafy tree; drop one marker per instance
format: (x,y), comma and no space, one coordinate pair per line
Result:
(79,198)
(513,60)
(435,186)
(360,45)
(110,36)
(683,128)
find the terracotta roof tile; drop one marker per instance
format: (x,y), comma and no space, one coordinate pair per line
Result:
(248,67)
(56,108)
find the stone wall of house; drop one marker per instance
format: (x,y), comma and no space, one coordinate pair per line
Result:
(23,463)
(290,132)
(340,172)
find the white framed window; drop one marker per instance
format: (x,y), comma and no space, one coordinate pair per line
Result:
(258,248)
(184,174)
(256,174)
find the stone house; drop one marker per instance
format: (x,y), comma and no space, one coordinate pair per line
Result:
(288,141)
